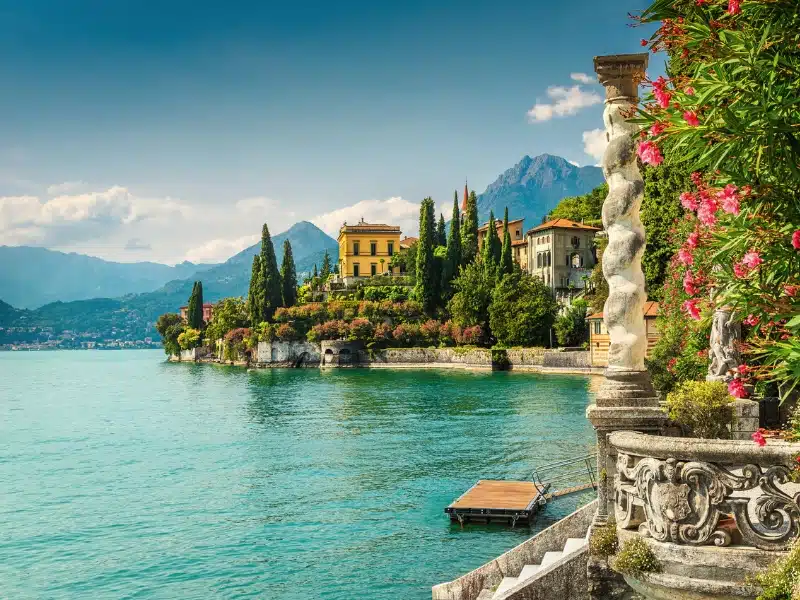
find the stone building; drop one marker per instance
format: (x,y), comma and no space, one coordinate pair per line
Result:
(561,252)
(514,228)
(366,249)
(599,339)
(208,310)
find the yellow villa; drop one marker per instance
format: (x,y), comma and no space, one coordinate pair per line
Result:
(599,339)
(366,249)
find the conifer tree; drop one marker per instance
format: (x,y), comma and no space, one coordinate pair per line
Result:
(288,276)
(255,295)
(194,312)
(270,277)
(469,231)
(454,242)
(426,276)
(316,273)
(506,258)
(441,232)
(489,252)
(326,267)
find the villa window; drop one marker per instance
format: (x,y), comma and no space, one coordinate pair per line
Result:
(373,269)
(356,271)
(539,260)
(576,242)
(568,261)
(391,248)
(597,327)
(356,248)
(517,235)
(373,248)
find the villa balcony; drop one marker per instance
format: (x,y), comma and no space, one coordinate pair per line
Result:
(710,511)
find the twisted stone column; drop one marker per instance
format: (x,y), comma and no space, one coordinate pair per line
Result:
(626,400)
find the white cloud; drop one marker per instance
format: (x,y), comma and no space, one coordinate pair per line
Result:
(594,143)
(583,78)
(394,211)
(66,187)
(255,204)
(219,250)
(566,101)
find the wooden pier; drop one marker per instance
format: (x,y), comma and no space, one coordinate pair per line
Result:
(490,499)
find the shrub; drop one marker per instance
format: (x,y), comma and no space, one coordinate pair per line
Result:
(383,334)
(604,541)
(286,333)
(522,311)
(572,328)
(264,332)
(635,557)
(189,338)
(170,326)
(234,342)
(449,334)
(330,330)
(394,293)
(471,336)
(407,334)
(430,331)
(361,330)
(703,407)
(781,581)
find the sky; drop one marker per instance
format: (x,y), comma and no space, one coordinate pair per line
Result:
(167,131)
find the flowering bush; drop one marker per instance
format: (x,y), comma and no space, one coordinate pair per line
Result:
(330,330)
(471,336)
(361,330)
(449,334)
(286,333)
(234,342)
(383,334)
(430,332)
(713,114)
(407,334)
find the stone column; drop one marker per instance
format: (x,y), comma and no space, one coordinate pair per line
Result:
(626,399)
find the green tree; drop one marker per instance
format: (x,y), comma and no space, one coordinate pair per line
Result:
(228,314)
(194,311)
(522,311)
(469,231)
(586,209)
(453,260)
(441,232)
(315,274)
(571,327)
(326,267)
(189,338)
(490,252)
(426,286)
(597,281)
(270,277)
(506,258)
(255,295)
(473,295)
(170,326)
(288,276)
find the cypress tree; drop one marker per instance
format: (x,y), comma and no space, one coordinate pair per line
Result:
(469,231)
(288,276)
(441,232)
(426,276)
(326,266)
(316,273)
(453,257)
(270,277)
(199,306)
(191,310)
(506,258)
(491,242)
(255,295)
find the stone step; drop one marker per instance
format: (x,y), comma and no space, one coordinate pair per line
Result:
(550,558)
(505,585)
(573,544)
(528,571)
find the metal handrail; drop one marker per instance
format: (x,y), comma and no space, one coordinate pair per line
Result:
(583,464)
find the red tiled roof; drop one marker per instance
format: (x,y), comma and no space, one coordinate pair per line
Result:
(519,243)
(407,241)
(563,224)
(650,311)
(498,223)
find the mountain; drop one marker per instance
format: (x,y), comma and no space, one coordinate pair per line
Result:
(31,277)
(534,186)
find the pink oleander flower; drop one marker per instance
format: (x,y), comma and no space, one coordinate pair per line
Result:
(758,437)
(689,284)
(685,257)
(734,7)
(689,91)
(691,118)
(702,2)
(796,239)
(644,42)
(693,240)
(791,290)
(689,201)
(740,271)
(691,309)
(657,129)
(752,259)
(697,178)
(649,153)
(730,199)
(736,388)
(707,212)
(660,92)
(743,370)
(751,320)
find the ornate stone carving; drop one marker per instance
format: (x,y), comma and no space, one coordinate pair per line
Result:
(723,350)
(683,502)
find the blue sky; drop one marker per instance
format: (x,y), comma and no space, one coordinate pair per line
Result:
(142,130)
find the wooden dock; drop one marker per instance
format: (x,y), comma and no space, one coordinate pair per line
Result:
(490,500)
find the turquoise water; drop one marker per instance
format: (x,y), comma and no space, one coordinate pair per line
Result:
(126,477)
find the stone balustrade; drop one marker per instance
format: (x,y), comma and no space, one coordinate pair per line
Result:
(700,492)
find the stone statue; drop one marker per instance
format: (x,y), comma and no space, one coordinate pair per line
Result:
(723,351)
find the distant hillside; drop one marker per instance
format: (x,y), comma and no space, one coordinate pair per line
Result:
(31,277)
(534,186)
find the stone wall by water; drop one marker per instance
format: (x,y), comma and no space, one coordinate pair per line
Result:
(567,360)
(293,354)
(416,357)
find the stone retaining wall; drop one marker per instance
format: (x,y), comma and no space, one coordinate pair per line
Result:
(429,357)
(290,354)
(567,360)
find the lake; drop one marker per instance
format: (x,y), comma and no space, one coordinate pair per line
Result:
(124,476)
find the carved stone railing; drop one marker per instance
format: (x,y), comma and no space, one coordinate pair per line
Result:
(706,492)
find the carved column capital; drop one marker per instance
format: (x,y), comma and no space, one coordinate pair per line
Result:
(621,75)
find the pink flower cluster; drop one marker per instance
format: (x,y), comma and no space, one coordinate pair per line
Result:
(657,129)
(689,284)
(691,309)
(685,257)
(730,199)
(691,118)
(734,7)
(649,153)
(736,388)
(751,320)
(660,92)
(707,204)
(796,240)
(758,438)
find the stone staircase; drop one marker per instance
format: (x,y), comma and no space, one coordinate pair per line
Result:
(530,574)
